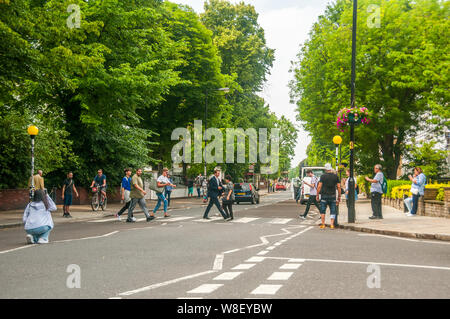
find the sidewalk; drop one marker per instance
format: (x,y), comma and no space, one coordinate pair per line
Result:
(13,218)
(394,223)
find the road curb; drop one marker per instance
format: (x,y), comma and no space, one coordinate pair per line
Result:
(396,233)
(3,226)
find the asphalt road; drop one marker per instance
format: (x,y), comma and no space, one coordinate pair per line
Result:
(266,252)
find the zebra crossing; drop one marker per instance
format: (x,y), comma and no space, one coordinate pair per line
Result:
(215,219)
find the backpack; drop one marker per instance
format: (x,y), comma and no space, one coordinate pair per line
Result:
(153,185)
(384,185)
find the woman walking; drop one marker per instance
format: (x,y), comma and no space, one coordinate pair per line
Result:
(228,197)
(417,189)
(38,219)
(168,190)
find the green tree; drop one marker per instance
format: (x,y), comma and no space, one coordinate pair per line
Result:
(400,75)
(432,160)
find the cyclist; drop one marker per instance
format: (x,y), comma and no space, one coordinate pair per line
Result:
(100,180)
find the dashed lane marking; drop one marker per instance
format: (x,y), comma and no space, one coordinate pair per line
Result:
(205,289)
(228,275)
(290,266)
(280,221)
(243,266)
(266,290)
(280,275)
(245,220)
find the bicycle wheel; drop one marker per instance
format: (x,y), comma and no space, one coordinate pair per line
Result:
(95,202)
(105,201)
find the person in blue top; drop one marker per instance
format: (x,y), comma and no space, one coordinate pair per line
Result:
(125,190)
(417,189)
(100,180)
(168,190)
(376,191)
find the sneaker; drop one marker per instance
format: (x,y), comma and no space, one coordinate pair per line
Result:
(206,218)
(332,227)
(30,239)
(150,218)
(302,217)
(133,219)
(42,241)
(409,215)
(322,226)
(130,221)
(373,217)
(68,216)
(119,218)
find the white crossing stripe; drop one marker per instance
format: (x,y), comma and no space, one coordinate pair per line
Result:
(228,275)
(266,290)
(202,220)
(264,252)
(296,260)
(243,266)
(279,221)
(103,220)
(280,276)
(205,289)
(290,266)
(255,259)
(177,219)
(245,220)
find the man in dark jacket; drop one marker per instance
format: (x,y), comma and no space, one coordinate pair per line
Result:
(215,189)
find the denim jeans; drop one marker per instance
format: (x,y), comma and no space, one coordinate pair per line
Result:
(40,232)
(161,198)
(412,203)
(167,195)
(328,201)
(198,192)
(142,204)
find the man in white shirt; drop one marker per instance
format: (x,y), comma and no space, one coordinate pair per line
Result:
(312,193)
(163,181)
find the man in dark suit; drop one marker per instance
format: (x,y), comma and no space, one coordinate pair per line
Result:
(215,189)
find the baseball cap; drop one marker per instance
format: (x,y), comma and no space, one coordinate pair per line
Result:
(328,167)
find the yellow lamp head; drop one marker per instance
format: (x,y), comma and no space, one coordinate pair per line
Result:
(337,140)
(32,130)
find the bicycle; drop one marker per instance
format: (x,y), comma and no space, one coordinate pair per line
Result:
(98,199)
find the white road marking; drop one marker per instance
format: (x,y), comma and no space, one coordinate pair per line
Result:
(270,248)
(218,262)
(296,260)
(165,283)
(280,221)
(255,259)
(245,220)
(280,275)
(266,290)
(243,266)
(290,266)
(103,220)
(18,248)
(406,239)
(228,275)
(205,289)
(190,298)
(202,220)
(177,219)
(93,237)
(261,253)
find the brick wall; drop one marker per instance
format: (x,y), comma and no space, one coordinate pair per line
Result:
(13,199)
(432,208)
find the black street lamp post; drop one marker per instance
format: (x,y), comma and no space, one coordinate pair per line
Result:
(351,181)
(32,131)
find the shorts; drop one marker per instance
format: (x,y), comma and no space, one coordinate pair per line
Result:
(67,199)
(330,202)
(191,190)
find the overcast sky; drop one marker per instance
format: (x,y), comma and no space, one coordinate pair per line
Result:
(287,24)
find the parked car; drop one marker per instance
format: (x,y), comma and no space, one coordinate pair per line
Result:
(280,186)
(246,192)
(318,171)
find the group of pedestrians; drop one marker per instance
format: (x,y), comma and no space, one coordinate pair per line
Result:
(217,190)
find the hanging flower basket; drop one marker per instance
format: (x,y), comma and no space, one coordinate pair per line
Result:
(356,115)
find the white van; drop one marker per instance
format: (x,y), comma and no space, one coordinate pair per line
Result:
(318,171)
